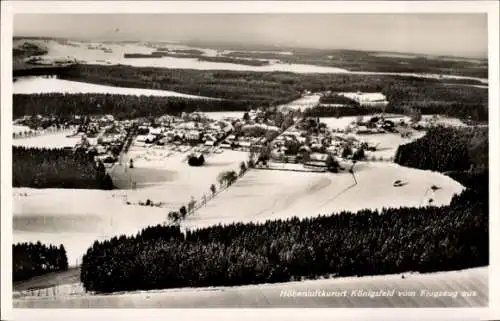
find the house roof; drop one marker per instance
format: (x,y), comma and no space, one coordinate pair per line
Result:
(244,143)
(321,157)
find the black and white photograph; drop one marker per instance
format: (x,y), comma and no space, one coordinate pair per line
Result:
(248,160)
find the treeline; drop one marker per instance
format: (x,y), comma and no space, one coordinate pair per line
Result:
(234,60)
(349,244)
(216,84)
(366,61)
(437,98)
(274,88)
(344,111)
(460,153)
(30,260)
(337,99)
(183,51)
(120,106)
(57,168)
(446,149)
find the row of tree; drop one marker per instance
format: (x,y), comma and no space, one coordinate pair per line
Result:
(348,244)
(337,99)
(34,259)
(368,242)
(57,168)
(233,60)
(120,106)
(344,111)
(224,180)
(366,61)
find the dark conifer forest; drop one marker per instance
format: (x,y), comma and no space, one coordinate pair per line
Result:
(120,106)
(29,260)
(57,168)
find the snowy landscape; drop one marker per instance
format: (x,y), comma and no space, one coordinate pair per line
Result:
(103,169)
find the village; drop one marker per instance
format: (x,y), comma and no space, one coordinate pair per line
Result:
(226,159)
(283,138)
(189,167)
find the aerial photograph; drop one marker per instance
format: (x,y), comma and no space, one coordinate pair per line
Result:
(326,160)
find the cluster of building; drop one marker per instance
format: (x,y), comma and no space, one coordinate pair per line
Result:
(312,148)
(103,136)
(374,125)
(252,130)
(191,129)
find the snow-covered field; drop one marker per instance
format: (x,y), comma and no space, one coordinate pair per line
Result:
(444,120)
(92,56)
(49,140)
(38,85)
(218,115)
(193,63)
(394,55)
(465,288)
(57,50)
(340,123)
(20,129)
(76,218)
(387,144)
(302,103)
(263,194)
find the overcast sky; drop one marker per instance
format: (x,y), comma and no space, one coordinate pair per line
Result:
(444,34)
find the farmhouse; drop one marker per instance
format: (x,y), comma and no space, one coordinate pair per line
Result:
(155,131)
(225,145)
(319,166)
(193,135)
(318,157)
(141,138)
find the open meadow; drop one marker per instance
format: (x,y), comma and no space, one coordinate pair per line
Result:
(41,85)
(273,194)
(76,218)
(50,140)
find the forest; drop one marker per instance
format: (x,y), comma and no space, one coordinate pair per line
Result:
(343,111)
(348,244)
(120,106)
(235,60)
(57,168)
(461,153)
(446,149)
(260,89)
(338,99)
(29,260)
(215,84)
(354,60)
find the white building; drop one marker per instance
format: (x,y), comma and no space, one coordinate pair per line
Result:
(193,135)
